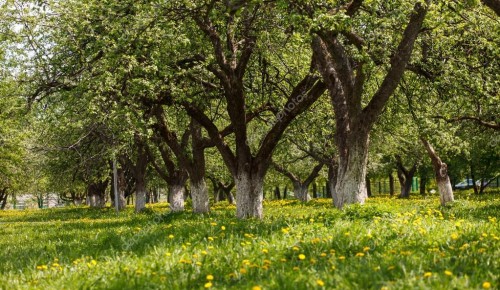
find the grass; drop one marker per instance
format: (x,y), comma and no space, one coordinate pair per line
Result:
(385,244)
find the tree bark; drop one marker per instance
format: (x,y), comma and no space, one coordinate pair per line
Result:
(345,82)
(249,195)
(423,183)
(368,187)
(3,198)
(441,171)
(405,177)
(176,197)
(351,178)
(277,193)
(391,184)
(96,194)
(196,169)
(315,190)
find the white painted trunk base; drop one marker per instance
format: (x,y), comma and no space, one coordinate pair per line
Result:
(176,198)
(445,191)
(351,178)
(140,200)
(301,193)
(199,194)
(249,197)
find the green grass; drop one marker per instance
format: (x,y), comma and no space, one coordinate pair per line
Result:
(385,244)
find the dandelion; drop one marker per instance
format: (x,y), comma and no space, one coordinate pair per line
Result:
(448,273)
(295,248)
(213,224)
(302,257)
(323,254)
(342,258)
(265,251)
(320,283)
(256,288)
(210,239)
(454,236)
(210,277)
(208,284)
(486,285)
(204,252)
(223,228)
(360,254)
(243,271)
(170,236)
(295,268)
(427,274)
(366,249)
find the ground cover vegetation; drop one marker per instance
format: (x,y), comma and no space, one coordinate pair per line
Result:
(387,244)
(251,127)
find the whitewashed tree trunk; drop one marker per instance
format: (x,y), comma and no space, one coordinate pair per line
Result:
(249,196)
(199,194)
(445,190)
(441,171)
(351,177)
(140,197)
(176,198)
(300,192)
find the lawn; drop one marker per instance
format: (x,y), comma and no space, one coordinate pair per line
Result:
(388,243)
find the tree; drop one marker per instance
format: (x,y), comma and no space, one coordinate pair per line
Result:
(345,73)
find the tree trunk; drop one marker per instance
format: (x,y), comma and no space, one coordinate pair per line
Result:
(423,183)
(140,194)
(391,184)
(405,184)
(277,193)
(351,177)
(249,196)
(122,184)
(199,194)
(315,190)
(3,198)
(176,197)
(196,166)
(369,187)
(96,194)
(285,192)
(300,192)
(441,171)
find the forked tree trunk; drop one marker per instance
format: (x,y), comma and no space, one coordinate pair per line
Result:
(96,194)
(176,197)
(405,177)
(441,171)
(351,178)
(249,196)
(196,166)
(345,81)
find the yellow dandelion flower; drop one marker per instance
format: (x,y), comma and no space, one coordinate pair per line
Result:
(208,284)
(170,236)
(295,248)
(256,288)
(265,251)
(243,271)
(320,283)
(448,273)
(366,249)
(302,257)
(210,238)
(454,236)
(360,254)
(486,285)
(427,274)
(210,277)
(342,258)
(223,228)
(295,268)
(323,254)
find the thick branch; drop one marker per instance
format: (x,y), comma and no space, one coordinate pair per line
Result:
(398,64)
(491,125)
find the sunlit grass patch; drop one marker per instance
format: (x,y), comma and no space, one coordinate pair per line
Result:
(388,242)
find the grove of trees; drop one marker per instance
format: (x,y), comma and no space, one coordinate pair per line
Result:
(231,99)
